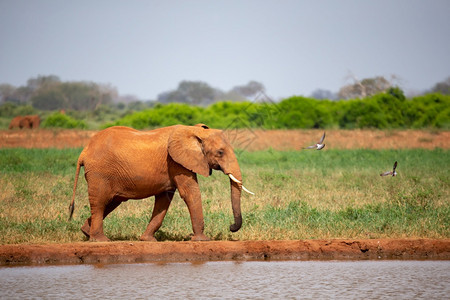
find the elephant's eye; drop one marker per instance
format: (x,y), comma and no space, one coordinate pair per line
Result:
(220,152)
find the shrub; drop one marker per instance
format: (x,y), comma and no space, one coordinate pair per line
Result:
(428,111)
(298,112)
(442,119)
(163,115)
(11,110)
(58,120)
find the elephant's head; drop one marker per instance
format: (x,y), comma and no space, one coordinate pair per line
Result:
(201,149)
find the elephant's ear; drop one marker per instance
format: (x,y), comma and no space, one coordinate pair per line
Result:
(185,147)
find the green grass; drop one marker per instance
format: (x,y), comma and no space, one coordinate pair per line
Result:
(299,195)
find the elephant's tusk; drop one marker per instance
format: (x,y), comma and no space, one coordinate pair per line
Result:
(245,189)
(234,178)
(237,181)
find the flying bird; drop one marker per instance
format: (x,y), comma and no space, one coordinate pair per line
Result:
(319,145)
(393,172)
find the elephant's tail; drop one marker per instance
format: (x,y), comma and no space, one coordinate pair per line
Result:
(77,173)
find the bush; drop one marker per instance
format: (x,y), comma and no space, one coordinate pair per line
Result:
(442,119)
(228,114)
(11,110)
(58,120)
(301,112)
(382,111)
(162,115)
(428,111)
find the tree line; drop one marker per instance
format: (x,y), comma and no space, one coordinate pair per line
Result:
(389,110)
(50,93)
(90,105)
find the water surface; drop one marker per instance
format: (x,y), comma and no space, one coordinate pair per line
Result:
(232,280)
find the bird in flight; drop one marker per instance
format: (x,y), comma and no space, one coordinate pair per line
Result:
(393,172)
(319,146)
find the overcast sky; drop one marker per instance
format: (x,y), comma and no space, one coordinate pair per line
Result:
(147,47)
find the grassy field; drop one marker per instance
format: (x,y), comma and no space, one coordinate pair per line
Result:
(299,195)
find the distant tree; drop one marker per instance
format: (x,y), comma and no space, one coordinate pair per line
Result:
(442,87)
(248,90)
(49,98)
(104,94)
(201,93)
(364,88)
(322,94)
(127,99)
(42,81)
(7,93)
(191,92)
(72,95)
(137,106)
(23,94)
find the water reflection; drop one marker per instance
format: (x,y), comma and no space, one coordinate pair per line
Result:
(232,280)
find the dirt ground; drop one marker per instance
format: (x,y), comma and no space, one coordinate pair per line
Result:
(254,139)
(131,252)
(127,252)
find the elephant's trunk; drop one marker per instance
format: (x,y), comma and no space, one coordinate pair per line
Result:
(236,205)
(231,168)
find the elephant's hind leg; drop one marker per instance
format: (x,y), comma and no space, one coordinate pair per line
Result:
(86,228)
(162,203)
(93,226)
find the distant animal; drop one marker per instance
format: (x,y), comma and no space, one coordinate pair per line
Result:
(393,172)
(18,122)
(30,122)
(319,146)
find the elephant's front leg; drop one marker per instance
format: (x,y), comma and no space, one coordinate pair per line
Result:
(190,192)
(162,203)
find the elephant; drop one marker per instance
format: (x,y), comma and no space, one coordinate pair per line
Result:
(121,163)
(30,121)
(34,121)
(18,122)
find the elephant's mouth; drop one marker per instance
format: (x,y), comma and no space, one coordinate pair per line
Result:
(219,168)
(239,183)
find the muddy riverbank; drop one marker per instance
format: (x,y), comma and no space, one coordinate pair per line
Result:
(130,252)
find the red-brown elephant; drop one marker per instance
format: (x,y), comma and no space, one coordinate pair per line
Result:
(30,122)
(122,163)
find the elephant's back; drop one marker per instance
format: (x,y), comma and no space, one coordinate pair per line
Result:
(113,134)
(116,151)
(116,130)
(121,140)
(123,134)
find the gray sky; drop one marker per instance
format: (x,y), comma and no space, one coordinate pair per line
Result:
(147,47)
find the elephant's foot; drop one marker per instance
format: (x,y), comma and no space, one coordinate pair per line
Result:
(148,238)
(199,237)
(86,229)
(99,238)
